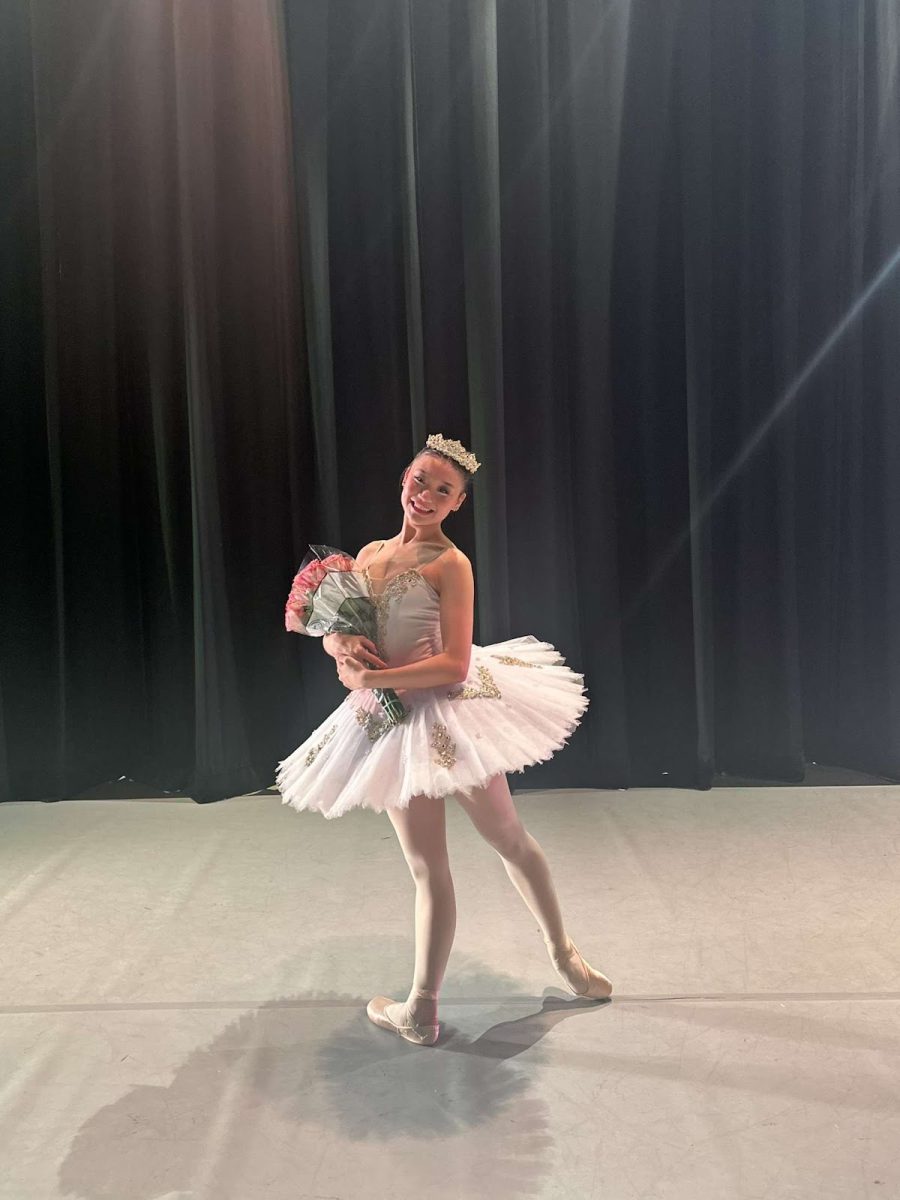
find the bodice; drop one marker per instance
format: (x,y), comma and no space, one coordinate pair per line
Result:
(409,617)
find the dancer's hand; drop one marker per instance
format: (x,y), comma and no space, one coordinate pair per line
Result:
(340,645)
(352,673)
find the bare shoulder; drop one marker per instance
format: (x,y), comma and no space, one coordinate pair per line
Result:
(459,560)
(368,552)
(453,571)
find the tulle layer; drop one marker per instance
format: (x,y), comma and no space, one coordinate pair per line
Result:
(519,705)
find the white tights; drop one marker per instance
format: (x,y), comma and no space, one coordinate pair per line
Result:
(422,833)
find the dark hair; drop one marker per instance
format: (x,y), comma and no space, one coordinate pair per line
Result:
(466,475)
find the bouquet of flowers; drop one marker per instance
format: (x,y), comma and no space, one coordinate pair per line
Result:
(329,596)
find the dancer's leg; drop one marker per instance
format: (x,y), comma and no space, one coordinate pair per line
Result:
(493,813)
(421,830)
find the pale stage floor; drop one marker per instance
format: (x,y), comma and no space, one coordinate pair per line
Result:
(183,1004)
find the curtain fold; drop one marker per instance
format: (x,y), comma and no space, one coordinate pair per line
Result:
(156,503)
(643,259)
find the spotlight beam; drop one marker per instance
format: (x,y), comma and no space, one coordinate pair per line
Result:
(762,430)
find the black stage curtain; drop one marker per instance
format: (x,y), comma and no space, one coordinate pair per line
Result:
(643,258)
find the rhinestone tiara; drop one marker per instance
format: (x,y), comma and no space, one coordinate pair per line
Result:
(454,450)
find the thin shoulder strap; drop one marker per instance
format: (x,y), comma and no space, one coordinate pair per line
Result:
(452,546)
(442,552)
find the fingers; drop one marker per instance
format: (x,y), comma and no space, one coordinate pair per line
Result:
(368,653)
(362,656)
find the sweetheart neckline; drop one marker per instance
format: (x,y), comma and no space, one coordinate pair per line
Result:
(409,571)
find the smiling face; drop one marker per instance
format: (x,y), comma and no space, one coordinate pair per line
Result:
(432,489)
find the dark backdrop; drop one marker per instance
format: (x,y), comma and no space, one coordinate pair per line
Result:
(640,257)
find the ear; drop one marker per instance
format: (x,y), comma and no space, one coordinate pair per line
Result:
(461,499)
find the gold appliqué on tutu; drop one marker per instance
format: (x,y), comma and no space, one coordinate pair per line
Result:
(311,756)
(513,662)
(442,742)
(471,691)
(374,726)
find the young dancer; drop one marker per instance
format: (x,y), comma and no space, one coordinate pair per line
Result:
(475,712)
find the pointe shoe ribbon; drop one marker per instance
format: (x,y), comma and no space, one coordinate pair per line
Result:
(419,1035)
(572,969)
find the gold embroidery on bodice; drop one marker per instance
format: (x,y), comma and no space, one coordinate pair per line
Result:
(397,585)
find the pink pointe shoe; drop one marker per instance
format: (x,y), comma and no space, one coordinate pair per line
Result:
(389,1014)
(579,976)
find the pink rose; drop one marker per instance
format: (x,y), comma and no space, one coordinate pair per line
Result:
(338,562)
(311,576)
(304,586)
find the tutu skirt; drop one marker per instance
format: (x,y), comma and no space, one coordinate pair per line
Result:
(518,705)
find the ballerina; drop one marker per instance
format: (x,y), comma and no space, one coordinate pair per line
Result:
(474,713)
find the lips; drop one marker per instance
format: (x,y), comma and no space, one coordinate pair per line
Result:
(423,512)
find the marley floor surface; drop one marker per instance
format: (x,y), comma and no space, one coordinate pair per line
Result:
(183,990)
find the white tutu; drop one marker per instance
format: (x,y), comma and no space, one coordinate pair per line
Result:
(519,704)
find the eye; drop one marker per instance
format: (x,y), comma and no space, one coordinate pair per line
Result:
(445,491)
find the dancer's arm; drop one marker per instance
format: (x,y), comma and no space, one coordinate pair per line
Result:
(427,672)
